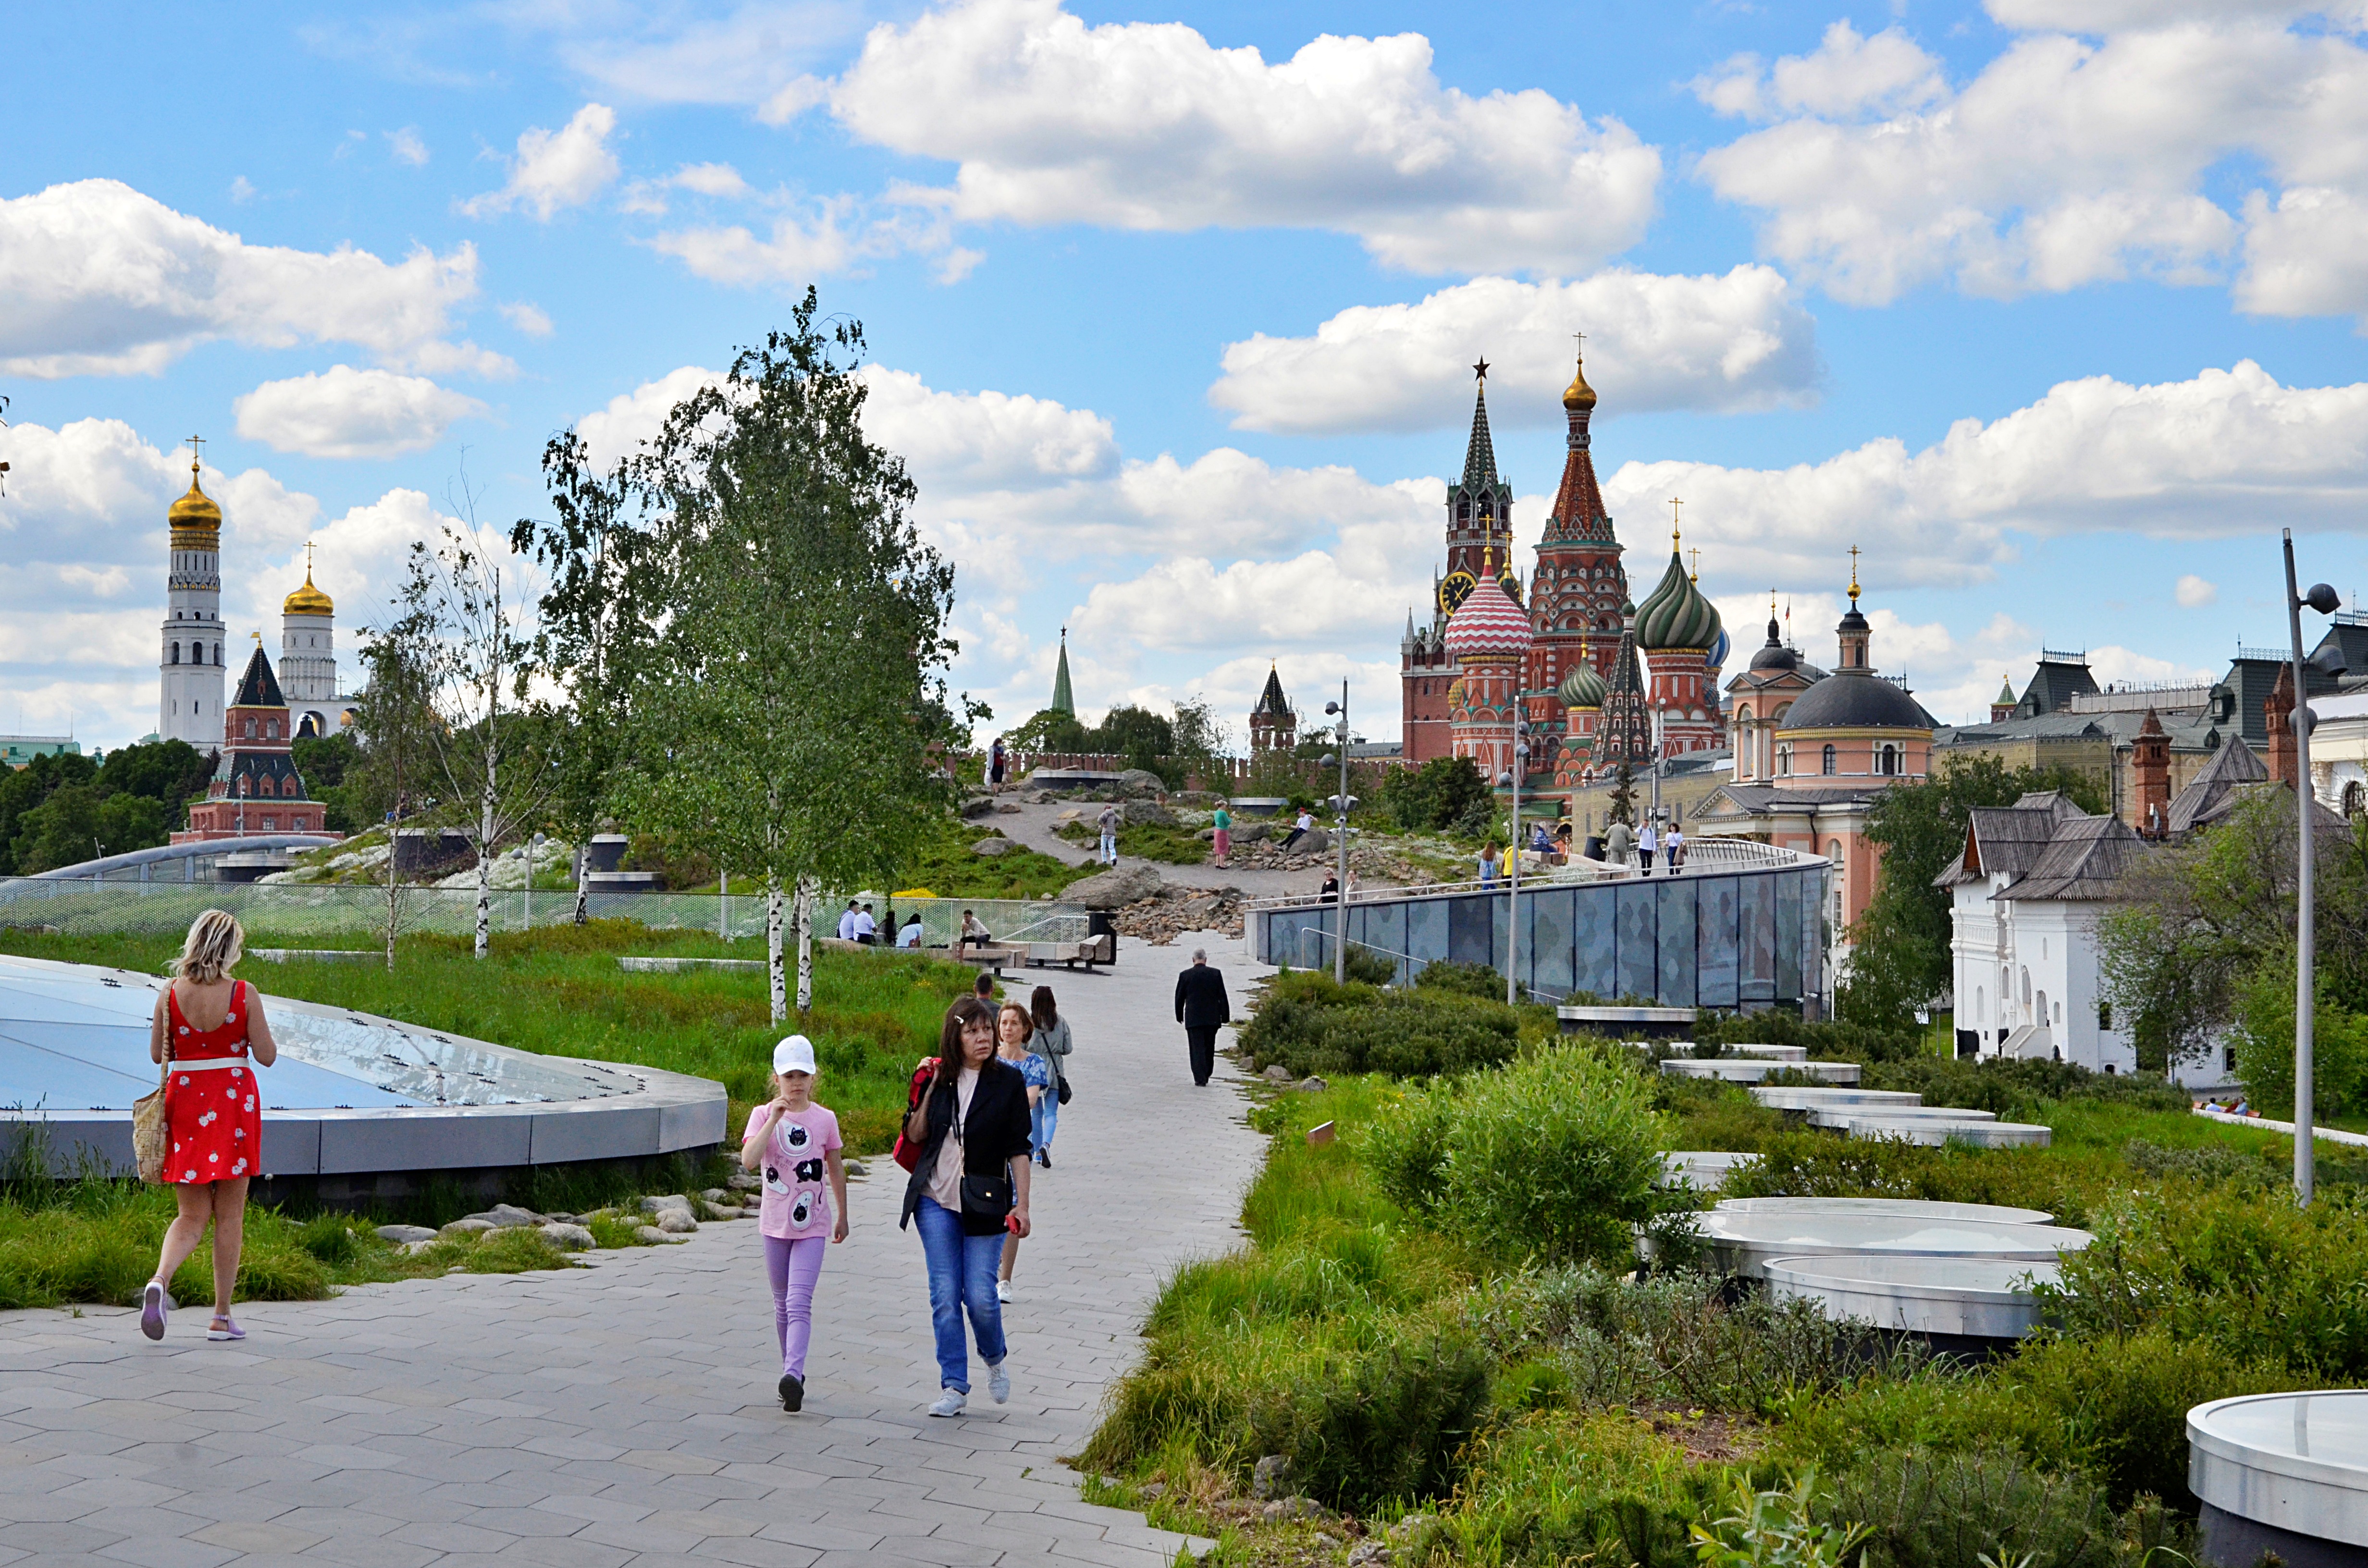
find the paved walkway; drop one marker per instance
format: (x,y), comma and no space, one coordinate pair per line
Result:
(624,1414)
(1036,826)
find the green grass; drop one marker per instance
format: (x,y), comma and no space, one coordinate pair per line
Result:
(1148,841)
(558,991)
(946,866)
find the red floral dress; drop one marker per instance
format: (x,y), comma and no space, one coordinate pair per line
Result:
(213,1107)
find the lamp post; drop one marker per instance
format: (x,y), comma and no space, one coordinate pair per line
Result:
(533,850)
(2326,600)
(1340,804)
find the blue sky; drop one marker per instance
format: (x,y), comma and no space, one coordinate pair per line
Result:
(2054,308)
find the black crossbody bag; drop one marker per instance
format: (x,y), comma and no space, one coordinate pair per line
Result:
(982,1196)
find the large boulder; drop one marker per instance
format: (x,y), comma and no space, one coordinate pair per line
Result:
(978,806)
(1138,813)
(991,846)
(1113,888)
(1142,781)
(1315,841)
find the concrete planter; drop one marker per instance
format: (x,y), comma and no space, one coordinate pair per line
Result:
(2286,1473)
(1628,1023)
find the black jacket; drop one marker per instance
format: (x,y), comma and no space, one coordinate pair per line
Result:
(1201,998)
(995,1130)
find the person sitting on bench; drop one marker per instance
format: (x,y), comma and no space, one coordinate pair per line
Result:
(973,934)
(910,937)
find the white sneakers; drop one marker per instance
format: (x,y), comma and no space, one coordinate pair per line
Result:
(999,1383)
(1003,1290)
(949,1403)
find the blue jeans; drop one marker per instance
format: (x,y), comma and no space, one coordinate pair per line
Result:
(1110,849)
(962,1274)
(1043,1117)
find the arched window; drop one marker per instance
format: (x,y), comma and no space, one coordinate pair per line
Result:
(1829,767)
(1888,763)
(2026,988)
(250,731)
(217,655)
(1785,759)
(1978,1014)
(177,659)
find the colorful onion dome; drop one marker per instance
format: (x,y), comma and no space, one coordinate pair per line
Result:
(1675,615)
(307,600)
(1488,624)
(1582,687)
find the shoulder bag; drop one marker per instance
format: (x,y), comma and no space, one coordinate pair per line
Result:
(907,1152)
(151,1137)
(982,1196)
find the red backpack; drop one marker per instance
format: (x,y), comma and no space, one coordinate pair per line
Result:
(907,1153)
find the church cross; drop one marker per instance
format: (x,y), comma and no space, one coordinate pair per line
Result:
(1673,504)
(196,456)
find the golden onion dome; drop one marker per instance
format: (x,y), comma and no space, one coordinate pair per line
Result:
(196,520)
(307,600)
(1578,394)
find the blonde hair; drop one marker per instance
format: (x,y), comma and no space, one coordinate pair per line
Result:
(214,942)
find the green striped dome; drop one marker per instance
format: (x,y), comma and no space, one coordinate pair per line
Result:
(1675,615)
(1582,687)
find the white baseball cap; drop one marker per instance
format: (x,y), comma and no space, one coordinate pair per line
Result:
(794,1054)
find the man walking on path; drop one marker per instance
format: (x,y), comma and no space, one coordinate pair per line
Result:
(1109,823)
(1201,1008)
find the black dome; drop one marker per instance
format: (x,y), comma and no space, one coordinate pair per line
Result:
(1850,701)
(1774,655)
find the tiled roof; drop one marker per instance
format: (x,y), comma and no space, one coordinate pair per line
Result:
(2207,797)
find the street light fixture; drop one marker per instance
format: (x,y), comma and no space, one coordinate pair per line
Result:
(534,852)
(2330,661)
(1340,804)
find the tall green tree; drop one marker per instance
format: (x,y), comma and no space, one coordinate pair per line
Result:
(1900,956)
(795,716)
(396,717)
(589,640)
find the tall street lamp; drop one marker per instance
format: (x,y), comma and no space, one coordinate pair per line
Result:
(2330,661)
(1340,804)
(1512,776)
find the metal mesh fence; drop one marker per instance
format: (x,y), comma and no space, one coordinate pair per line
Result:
(294,913)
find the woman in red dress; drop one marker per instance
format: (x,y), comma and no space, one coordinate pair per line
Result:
(212,1028)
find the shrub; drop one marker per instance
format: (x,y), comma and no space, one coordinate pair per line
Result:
(1775,1528)
(2251,1276)
(1972,1509)
(1463,980)
(1435,796)
(2014,1089)
(1390,1426)
(1565,1487)
(1556,1156)
(1838,1041)
(2208,1164)
(1406,1149)
(1370,968)
(1310,1025)
(2264,1039)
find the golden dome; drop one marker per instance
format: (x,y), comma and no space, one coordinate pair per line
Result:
(307,600)
(1578,394)
(197,522)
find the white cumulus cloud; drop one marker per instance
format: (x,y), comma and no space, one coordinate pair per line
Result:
(2199,459)
(1150,125)
(1723,343)
(345,412)
(556,169)
(2069,159)
(101,280)
(2195,593)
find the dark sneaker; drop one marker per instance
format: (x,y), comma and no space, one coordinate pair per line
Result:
(793,1391)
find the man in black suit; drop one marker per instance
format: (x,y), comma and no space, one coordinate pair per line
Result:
(1201,1008)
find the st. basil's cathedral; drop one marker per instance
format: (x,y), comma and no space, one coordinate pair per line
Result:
(1586,665)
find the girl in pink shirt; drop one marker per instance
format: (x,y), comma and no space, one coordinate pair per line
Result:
(794,1143)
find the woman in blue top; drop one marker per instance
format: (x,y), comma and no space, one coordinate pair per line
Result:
(1013,1030)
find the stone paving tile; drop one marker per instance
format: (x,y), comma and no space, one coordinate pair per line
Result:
(620,1415)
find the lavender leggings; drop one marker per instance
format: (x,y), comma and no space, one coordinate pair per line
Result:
(794,1266)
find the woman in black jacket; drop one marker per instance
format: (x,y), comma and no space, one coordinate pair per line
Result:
(968,1188)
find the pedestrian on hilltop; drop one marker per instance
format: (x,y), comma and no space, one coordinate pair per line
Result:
(1221,841)
(210,1028)
(1015,1028)
(794,1144)
(1202,1010)
(1108,822)
(968,1188)
(1051,1042)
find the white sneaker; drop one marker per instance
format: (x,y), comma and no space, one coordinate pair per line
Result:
(949,1403)
(1003,1290)
(999,1383)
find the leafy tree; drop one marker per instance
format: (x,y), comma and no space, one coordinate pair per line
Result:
(2205,924)
(1047,729)
(76,823)
(794,709)
(589,641)
(396,716)
(323,761)
(24,788)
(167,772)
(1900,959)
(1439,795)
(1138,734)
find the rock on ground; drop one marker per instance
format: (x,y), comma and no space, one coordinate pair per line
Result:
(1147,812)
(568,1238)
(1160,920)
(1113,888)
(993,847)
(472,1226)
(1142,781)
(403,1235)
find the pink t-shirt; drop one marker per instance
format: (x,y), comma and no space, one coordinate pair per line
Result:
(796,1200)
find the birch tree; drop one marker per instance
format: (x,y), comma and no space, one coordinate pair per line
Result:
(795,709)
(395,717)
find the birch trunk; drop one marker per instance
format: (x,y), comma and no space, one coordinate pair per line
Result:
(807,891)
(485,855)
(773,975)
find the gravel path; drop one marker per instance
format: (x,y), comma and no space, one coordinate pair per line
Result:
(624,1414)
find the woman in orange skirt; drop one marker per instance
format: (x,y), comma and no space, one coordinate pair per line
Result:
(210,1028)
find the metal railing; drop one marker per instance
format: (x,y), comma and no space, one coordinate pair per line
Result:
(1705,854)
(1414,966)
(301,910)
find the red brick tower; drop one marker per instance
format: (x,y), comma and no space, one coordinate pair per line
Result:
(2278,712)
(2150,761)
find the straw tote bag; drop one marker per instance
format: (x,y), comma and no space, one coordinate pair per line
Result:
(149,1136)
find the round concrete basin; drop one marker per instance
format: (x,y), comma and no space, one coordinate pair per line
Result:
(1934,1131)
(1704,1169)
(1750,1070)
(1901,1207)
(1746,1242)
(2281,1472)
(1788,1096)
(1841,1115)
(1976,1298)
